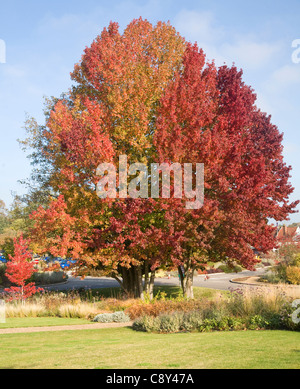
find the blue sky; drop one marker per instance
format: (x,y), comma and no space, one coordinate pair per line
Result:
(44,39)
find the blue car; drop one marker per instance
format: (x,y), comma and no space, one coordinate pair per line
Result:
(65,263)
(3,259)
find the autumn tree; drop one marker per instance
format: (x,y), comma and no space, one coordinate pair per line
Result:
(150,95)
(19,269)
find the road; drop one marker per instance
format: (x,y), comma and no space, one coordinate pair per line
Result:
(221,281)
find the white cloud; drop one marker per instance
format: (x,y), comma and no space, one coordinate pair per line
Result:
(70,28)
(251,54)
(15,71)
(246,51)
(59,23)
(286,76)
(197,26)
(281,89)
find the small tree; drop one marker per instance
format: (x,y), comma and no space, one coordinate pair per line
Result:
(19,270)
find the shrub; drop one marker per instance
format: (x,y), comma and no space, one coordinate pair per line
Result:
(229,269)
(146,324)
(208,325)
(289,252)
(191,321)
(176,322)
(3,278)
(117,317)
(262,309)
(270,278)
(156,308)
(235,323)
(49,277)
(165,323)
(293,275)
(279,271)
(263,322)
(296,260)
(170,322)
(225,323)
(257,322)
(289,257)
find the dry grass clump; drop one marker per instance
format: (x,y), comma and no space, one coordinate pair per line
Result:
(82,310)
(24,310)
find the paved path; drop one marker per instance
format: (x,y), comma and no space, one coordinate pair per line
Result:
(220,281)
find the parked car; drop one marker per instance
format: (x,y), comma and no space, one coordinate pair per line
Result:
(3,259)
(64,263)
(35,259)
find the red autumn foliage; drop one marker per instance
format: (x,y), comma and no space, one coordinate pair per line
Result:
(150,95)
(209,115)
(19,270)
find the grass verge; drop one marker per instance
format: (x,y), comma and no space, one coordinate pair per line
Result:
(124,348)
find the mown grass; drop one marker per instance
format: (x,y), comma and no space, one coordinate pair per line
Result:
(117,348)
(124,348)
(17,322)
(167,290)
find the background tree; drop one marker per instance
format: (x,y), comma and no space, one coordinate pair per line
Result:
(3,216)
(15,221)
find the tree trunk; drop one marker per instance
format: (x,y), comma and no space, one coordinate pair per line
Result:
(149,281)
(186,280)
(132,281)
(189,291)
(151,284)
(139,282)
(146,281)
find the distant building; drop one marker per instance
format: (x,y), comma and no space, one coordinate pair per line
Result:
(286,234)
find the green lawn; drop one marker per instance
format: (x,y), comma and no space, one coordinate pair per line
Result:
(167,290)
(16,322)
(124,348)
